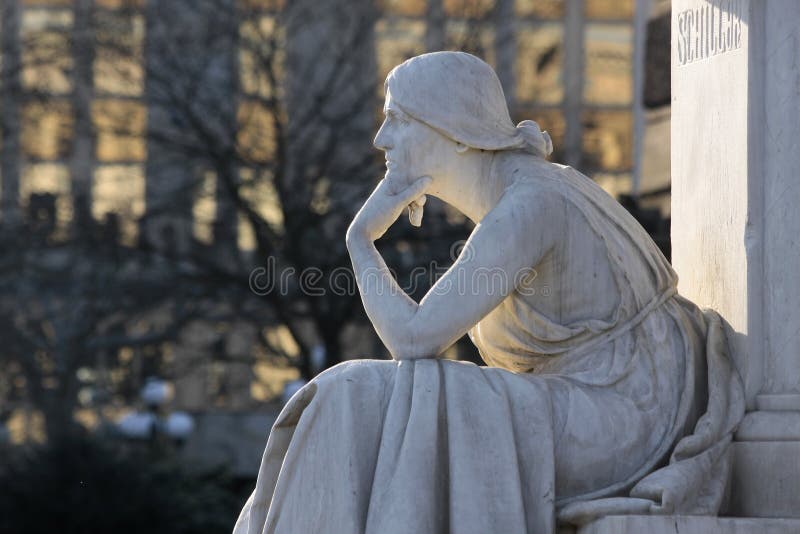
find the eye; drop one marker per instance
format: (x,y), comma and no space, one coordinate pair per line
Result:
(396,117)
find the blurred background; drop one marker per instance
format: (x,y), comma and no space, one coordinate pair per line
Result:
(154,155)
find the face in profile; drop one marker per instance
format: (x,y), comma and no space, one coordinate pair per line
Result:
(412,149)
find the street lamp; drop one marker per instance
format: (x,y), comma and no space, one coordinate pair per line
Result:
(154,424)
(156,393)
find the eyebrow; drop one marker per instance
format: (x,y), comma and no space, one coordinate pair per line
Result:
(394,112)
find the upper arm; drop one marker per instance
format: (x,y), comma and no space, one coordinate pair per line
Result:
(509,241)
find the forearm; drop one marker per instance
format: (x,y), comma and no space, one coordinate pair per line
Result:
(388,307)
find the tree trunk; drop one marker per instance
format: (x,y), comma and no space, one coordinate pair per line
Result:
(333,346)
(10,88)
(57,409)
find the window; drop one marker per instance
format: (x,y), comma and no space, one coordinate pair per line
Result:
(42,180)
(47,129)
(539,63)
(46,57)
(120,190)
(48,3)
(615,184)
(204,210)
(544,9)
(119,53)
(259,190)
(260,5)
(261,56)
(607,140)
(609,9)
(403,8)
(609,63)
(119,4)
(473,9)
(120,126)
(256,134)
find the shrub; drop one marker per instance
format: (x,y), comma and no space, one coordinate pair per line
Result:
(85,485)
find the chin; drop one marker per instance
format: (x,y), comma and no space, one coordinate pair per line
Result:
(397,177)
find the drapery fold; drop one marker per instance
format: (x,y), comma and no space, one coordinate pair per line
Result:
(641,422)
(417,446)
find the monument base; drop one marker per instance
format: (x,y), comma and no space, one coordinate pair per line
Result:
(765,481)
(635,524)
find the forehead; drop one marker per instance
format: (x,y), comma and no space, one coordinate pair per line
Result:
(389,105)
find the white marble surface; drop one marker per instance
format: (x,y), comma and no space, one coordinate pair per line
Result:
(781,179)
(598,372)
(690,525)
(715,219)
(765,481)
(735,158)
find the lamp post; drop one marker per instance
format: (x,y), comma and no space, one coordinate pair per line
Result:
(155,424)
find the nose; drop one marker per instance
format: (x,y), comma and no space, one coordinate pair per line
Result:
(382,139)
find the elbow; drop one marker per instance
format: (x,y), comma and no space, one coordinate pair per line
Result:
(412,347)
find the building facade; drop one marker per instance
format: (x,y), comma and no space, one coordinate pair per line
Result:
(137,116)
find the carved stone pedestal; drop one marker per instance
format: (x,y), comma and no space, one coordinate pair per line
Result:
(736,221)
(636,524)
(766,472)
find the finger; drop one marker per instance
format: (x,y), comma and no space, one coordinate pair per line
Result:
(415,190)
(415,210)
(421,201)
(415,214)
(417,203)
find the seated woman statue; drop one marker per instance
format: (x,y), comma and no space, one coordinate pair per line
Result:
(604,392)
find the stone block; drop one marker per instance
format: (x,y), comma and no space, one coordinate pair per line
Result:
(636,524)
(765,481)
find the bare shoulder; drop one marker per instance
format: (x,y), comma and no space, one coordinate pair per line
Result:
(528,220)
(535,194)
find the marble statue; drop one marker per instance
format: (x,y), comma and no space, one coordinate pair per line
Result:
(604,392)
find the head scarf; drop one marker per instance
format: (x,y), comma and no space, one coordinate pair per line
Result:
(460,96)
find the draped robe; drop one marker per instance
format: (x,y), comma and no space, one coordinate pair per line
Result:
(629,408)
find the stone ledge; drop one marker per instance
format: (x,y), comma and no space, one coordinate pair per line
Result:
(769,426)
(636,524)
(783,402)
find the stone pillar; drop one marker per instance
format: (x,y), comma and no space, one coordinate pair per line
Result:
(735,218)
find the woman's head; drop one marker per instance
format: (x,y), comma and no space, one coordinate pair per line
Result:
(460,96)
(412,148)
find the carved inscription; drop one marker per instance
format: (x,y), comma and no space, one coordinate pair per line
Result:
(714,28)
